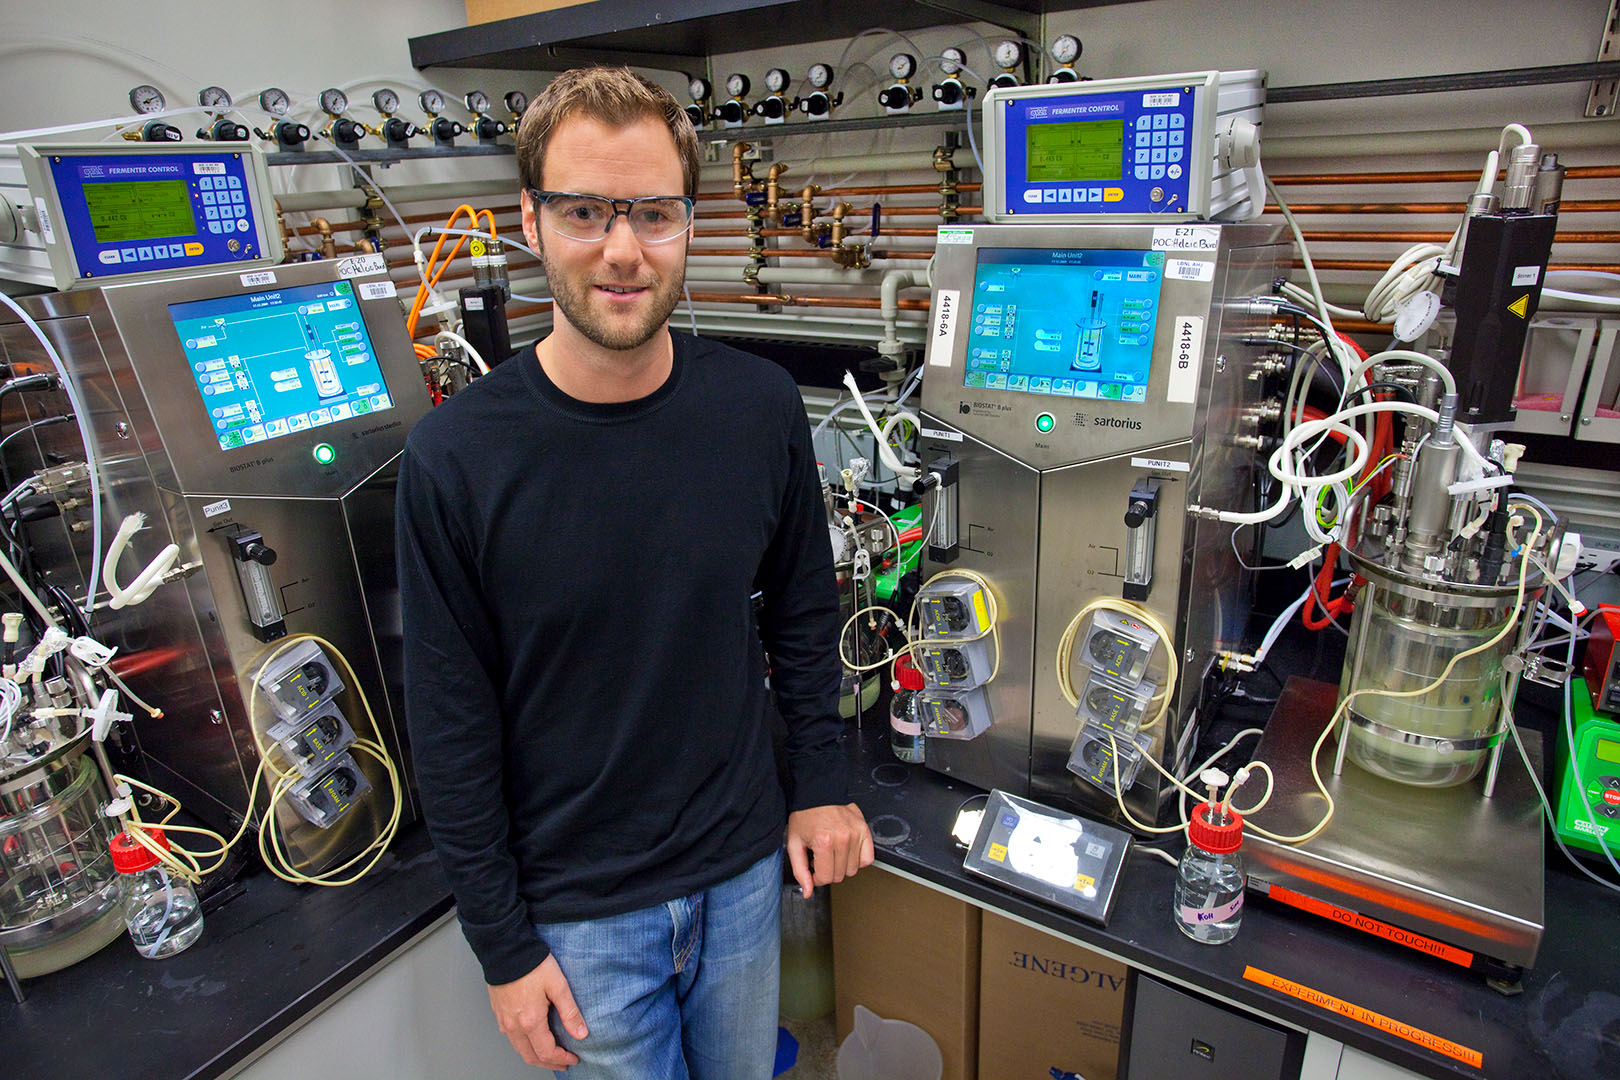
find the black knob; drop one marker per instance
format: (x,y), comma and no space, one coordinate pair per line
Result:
(158,131)
(895,97)
(1136,513)
(948,93)
(346,130)
(490,129)
(817,104)
(732,112)
(772,108)
(396,130)
(291,134)
(445,130)
(228,131)
(695,114)
(256,551)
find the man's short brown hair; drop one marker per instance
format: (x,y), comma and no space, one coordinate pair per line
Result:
(615,96)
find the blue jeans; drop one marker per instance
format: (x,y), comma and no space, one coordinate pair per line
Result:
(686,989)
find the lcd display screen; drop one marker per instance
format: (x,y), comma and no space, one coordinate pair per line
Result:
(273,363)
(1083,150)
(139,210)
(1064,322)
(1608,751)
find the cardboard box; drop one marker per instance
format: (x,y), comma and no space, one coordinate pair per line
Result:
(1046,1003)
(908,952)
(483,11)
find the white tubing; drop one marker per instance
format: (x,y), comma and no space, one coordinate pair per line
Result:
(81,416)
(885,451)
(147,581)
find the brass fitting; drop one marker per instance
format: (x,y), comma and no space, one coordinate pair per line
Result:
(808,212)
(742,172)
(942,159)
(838,212)
(773,191)
(328,246)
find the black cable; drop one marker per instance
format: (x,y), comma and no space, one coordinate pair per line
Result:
(1396,388)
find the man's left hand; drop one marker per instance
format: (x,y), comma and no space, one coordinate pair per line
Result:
(826,844)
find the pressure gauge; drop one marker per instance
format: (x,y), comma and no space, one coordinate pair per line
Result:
(432,102)
(902,65)
(820,76)
(146,100)
(776,80)
(952,60)
(476,101)
(1008,53)
(385,101)
(213,97)
(699,89)
(1065,48)
(517,102)
(275,102)
(334,102)
(737,85)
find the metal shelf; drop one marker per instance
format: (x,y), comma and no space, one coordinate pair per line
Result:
(648,33)
(384,157)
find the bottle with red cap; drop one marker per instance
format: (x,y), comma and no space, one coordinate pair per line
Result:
(160,907)
(1210,878)
(905,726)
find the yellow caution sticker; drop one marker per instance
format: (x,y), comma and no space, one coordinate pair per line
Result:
(1425,1039)
(997,852)
(1082,883)
(1521,306)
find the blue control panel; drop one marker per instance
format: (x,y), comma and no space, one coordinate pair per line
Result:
(133,213)
(1116,152)
(273,363)
(1066,323)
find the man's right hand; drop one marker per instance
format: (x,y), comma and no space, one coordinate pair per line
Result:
(522,1008)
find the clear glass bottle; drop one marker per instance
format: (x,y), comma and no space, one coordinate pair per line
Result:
(905,726)
(160,908)
(1209,882)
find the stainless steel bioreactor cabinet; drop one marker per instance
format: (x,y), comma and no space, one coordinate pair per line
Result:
(255,419)
(1085,385)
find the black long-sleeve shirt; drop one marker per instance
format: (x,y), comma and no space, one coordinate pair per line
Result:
(584,682)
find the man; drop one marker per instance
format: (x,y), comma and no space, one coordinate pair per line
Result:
(580,533)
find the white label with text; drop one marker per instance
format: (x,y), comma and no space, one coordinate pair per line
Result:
(214,509)
(1160,463)
(1526,275)
(377,290)
(1189,269)
(940,433)
(361,265)
(259,278)
(1187,238)
(1186,357)
(942,341)
(955,236)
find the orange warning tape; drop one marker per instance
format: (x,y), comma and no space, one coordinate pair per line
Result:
(1425,1039)
(1366,924)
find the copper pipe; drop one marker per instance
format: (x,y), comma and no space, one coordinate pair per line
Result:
(801,253)
(1579,172)
(331,227)
(781,300)
(1374,266)
(888,211)
(1598,206)
(895,189)
(705,233)
(1331,237)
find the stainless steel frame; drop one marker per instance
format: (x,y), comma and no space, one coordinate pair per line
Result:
(190,649)
(1041,516)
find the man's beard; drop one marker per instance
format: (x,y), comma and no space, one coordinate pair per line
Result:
(574,297)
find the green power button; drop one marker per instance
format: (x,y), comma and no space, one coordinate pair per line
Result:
(1044,423)
(325,453)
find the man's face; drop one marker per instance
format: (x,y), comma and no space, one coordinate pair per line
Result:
(617,292)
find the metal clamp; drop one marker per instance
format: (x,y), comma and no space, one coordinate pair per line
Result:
(1438,744)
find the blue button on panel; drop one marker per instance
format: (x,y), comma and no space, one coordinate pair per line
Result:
(1142,172)
(1160,138)
(208,183)
(241,225)
(1142,156)
(233,181)
(236,196)
(234,211)
(1176,153)
(143,253)
(1142,137)
(1157,172)
(128,254)
(208,198)
(213,227)
(1094,195)
(1178,138)
(1177,120)
(211,213)
(177,251)
(1160,122)
(1158,155)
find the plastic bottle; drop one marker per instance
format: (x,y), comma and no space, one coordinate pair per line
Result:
(160,908)
(905,726)
(1210,880)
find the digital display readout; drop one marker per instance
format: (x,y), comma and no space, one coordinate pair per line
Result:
(1608,751)
(276,363)
(1082,150)
(1065,322)
(139,210)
